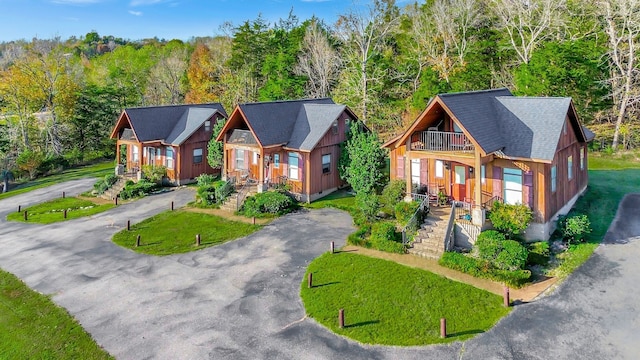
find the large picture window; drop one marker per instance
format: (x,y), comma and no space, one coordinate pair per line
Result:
(135,156)
(554,174)
(197,156)
(512,186)
(582,154)
(570,167)
(326,163)
(294,161)
(169,156)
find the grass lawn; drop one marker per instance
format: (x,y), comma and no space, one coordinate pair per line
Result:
(338,199)
(53,210)
(95,170)
(33,327)
(174,232)
(391,304)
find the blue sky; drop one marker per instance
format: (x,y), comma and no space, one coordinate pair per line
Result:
(138,19)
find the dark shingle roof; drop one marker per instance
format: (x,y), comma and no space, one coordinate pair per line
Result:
(477,114)
(297,124)
(170,124)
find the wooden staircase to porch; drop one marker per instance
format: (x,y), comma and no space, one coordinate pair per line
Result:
(430,240)
(232,204)
(116,188)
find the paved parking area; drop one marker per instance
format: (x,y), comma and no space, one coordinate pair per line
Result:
(240,300)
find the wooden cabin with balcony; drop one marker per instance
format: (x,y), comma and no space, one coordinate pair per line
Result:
(484,146)
(294,143)
(174,136)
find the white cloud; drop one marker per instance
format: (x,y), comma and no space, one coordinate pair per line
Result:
(136,13)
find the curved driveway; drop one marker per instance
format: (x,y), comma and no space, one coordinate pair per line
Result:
(240,300)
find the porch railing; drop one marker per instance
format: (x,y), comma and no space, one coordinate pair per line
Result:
(441,141)
(416,219)
(489,203)
(449,238)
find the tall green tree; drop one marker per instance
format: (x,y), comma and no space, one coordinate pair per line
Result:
(362,161)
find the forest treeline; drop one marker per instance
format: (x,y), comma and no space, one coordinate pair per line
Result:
(59,98)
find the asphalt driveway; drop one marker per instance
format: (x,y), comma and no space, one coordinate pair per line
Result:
(240,300)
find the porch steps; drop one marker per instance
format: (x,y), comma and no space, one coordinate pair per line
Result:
(115,189)
(232,201)
(471,230)
(429,242)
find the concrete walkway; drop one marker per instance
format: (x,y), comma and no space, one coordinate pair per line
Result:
(240,300)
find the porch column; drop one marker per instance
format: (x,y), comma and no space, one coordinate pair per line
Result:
(119,169)
(478,215)
(262,186)
(223,171)
(407,170)
(140,157)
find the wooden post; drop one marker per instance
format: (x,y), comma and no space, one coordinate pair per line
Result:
(505,296)
(63,194)
(115,199)
(443,328)
(128,225)
(65,213)
(138,240)
(198,240)
(26,217)
(19,208)
(254,220)
(310,281)
(172,206)
(333,247)
(341,318)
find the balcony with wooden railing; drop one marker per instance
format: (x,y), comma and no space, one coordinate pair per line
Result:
(441,141)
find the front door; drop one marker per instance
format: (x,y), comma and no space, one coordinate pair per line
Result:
(459,183)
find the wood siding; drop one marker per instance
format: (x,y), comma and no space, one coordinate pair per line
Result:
(329,144)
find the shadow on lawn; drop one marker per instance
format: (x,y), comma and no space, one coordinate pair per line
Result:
(363,323)
(468,332)
(326,284)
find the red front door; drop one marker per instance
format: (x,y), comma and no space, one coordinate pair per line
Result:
(459,182)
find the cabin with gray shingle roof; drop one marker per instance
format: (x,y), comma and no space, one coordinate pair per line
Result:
(478,147)
(174,136)
(294,143)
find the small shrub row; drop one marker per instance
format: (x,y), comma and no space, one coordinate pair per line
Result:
(271,202)
(103,185)
(483,269)
(154,173)
(499,252)
(212,193)
(139,189)
(381,236)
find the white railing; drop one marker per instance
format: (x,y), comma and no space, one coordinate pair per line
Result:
(441,141)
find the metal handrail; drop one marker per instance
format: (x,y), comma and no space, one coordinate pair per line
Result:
(412,224)
(449,235)
(489,203)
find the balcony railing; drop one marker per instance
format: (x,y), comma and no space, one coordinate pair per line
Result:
(441,141)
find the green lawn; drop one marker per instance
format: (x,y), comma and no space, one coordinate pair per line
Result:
(33,327)
(391,304)
(53,211)
(339,200)
(174,232)
(96,170)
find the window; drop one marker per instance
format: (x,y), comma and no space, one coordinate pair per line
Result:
(239,159)
(151,157)
(294,160)
(483,172)
(334,127)
(347,125)
(456,128)
(326,163)
(512,186)
(207,125)
(276,161)
(570,167)
(134,154)
(439,169)
(564,128)
(582,155)
(158,155)
(197,156)
(554,173)
(255,158)
(169,154)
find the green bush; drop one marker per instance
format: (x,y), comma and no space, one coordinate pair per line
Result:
(206,194)
(223,190)
(154,173)
(271,202)
(103,185)
(574,229)
(139,189)
(206,179)
(359,237)
(538,253)
(489,244)
(53,163)
(368,205)
(509,219)
(111,179)
(405,210)
(513,256)
(392,194)
(482,269)
(384,231)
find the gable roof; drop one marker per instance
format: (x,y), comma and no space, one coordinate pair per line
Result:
(170,124)
(512,126)
(274,122)
(314,120)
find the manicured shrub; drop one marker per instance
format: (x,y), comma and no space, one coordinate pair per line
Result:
(100,187)
(111,179)
(405,210)
(509,219)
(574,229)
(392,194)
(154,173)
(206,194)
(223,190)
(384,231)
(359,237)
(205,179)
(271,202)
(513,256)
(489,244)
(483,269)
(139,189)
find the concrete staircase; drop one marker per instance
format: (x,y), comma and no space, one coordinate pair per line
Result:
(115,189)
(429,242)
(231,204)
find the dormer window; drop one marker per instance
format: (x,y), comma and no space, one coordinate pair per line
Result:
(334,127)
(207,125)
